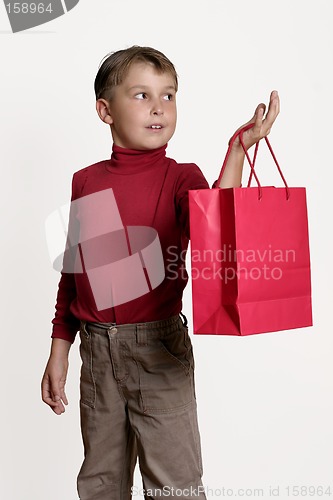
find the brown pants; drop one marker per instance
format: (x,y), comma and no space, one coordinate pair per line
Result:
(137,399)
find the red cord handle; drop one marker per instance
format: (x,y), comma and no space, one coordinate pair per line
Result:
(231,142)
(252,163)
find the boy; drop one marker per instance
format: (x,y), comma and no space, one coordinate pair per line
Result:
(137,394)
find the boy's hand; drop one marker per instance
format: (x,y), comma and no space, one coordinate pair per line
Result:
(262,125)
(53,383)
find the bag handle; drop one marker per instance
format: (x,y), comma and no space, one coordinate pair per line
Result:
(254,159)
(252,163)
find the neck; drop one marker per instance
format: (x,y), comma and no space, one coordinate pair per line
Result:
(130,161)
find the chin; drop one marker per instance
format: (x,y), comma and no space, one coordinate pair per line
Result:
(151,144)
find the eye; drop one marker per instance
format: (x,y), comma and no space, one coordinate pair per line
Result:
(142,95)
(168,97)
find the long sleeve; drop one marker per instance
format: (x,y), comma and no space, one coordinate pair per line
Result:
(192,178)
(65,324)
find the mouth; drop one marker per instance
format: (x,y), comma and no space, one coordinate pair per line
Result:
(155,126)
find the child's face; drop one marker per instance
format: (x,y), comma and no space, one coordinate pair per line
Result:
(144,99)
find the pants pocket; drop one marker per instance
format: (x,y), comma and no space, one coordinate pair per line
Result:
(166,376)
(87,381)
(179,347)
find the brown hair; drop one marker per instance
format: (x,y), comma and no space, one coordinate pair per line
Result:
(115,65)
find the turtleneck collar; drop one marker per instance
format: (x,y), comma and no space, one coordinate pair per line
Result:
(131,161)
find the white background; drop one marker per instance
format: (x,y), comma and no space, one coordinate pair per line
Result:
(265,401)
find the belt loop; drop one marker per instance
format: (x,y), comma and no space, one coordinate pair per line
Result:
(185,319)
(141,334)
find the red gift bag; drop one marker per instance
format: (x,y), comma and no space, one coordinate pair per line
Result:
(250,261)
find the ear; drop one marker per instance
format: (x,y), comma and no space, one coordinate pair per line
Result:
(103,111)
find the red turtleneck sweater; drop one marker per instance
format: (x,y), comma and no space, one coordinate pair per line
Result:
(150,190)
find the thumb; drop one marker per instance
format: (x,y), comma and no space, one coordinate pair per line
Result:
(55,392)
(257,117)
(260,111)
(56,397)
(63,396)
(59,392)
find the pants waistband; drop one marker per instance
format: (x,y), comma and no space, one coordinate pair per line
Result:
(152,329)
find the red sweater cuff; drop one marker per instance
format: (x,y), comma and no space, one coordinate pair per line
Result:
(61,332)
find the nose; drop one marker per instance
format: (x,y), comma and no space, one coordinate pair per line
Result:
(157,108)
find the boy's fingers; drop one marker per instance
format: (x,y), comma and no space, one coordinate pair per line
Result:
(46,390)
(50,394)
(259,115)
(64,397)
(48,397)
(56,397)
(262,126)
(56,406)
(275,97)
(50,401)
(273,110)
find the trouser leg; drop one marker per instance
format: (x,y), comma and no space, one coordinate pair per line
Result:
(170,455)
(109,441)
(166,422)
